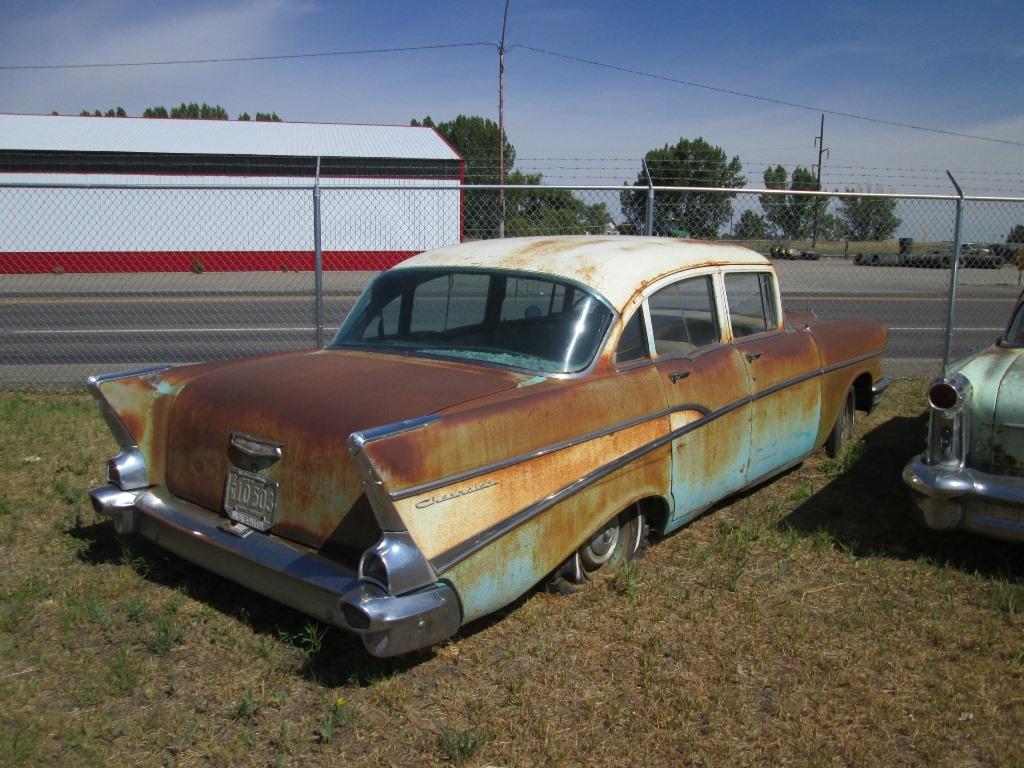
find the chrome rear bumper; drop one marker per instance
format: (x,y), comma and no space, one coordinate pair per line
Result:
(963,498)
(317,586)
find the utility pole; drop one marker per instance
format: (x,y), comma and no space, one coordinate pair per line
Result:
(822,150)
(501,125)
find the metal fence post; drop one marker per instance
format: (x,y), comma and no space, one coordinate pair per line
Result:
(318,262)
(650,201)
(957,235)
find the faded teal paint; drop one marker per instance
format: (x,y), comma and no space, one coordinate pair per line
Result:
(499,574)
(985,370)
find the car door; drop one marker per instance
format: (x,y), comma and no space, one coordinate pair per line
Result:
(705,381)
(783,368)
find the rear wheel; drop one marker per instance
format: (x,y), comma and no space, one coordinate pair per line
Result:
(843,429)
(620,540)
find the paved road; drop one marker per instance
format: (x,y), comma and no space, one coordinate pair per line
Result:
(49,335)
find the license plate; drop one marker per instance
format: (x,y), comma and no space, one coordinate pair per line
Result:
(251,499)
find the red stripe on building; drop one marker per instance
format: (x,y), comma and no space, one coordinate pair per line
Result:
(42,262)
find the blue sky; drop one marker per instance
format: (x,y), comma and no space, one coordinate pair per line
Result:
(949,65)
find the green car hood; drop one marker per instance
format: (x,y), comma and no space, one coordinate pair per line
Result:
(997,409)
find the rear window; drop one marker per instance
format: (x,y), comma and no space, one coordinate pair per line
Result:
(526,321)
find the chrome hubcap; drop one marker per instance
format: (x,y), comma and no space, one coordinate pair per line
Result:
(601,546)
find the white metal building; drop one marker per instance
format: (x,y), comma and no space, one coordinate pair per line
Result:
(172,201)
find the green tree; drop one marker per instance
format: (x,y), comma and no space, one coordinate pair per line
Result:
(868,218)
(267,117)
(476,139)
(689,163)
(1016,234)
(549,211)
(204,111)
(244,117)
(527,212)
(791,216)
(155,112)
(751,226)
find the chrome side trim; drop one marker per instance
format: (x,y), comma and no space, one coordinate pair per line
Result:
(785,385)
(452,557)
(460,552)
(383,507)
(851,361)
(114,424)
(416,490)
(469,474)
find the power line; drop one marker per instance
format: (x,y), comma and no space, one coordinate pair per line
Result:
(767,99)
(170,62)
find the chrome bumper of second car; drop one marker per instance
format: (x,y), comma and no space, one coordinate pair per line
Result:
(320,587)
(964,498)
(877,390)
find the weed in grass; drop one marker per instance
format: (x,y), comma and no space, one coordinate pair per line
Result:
(309,639)
(135,611)
(627,583)
(247,707)
(166,634)
(459,746)
(801,492)
(18,743)
(339,714)
(282,743)
(133,559)
(17,604)
(1008,597)
(123,672)
(312,636)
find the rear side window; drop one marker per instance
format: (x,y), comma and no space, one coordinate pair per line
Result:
(683,316)
(631,344)
(751,298)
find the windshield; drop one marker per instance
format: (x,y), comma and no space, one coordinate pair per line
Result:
(522,320)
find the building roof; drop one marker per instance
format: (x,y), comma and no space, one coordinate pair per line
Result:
(616,266)
(62,133)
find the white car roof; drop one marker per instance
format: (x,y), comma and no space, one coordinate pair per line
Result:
(616,266)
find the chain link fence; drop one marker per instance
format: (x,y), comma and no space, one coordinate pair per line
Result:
(98,278)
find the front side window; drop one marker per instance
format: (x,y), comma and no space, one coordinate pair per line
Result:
(683,316)
(751,298)
(537,323)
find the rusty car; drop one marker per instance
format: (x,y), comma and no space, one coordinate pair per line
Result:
(488,416)
(971,473)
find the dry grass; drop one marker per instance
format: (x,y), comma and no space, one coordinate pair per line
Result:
(809,622)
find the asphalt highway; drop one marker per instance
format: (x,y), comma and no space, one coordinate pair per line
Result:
(50,337)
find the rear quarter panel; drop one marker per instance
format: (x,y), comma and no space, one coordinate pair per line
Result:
(474,488)
(849,350)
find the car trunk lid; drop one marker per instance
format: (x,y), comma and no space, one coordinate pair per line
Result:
(308,403)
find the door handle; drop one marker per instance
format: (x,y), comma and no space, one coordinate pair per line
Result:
(677,375)
(752,356)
